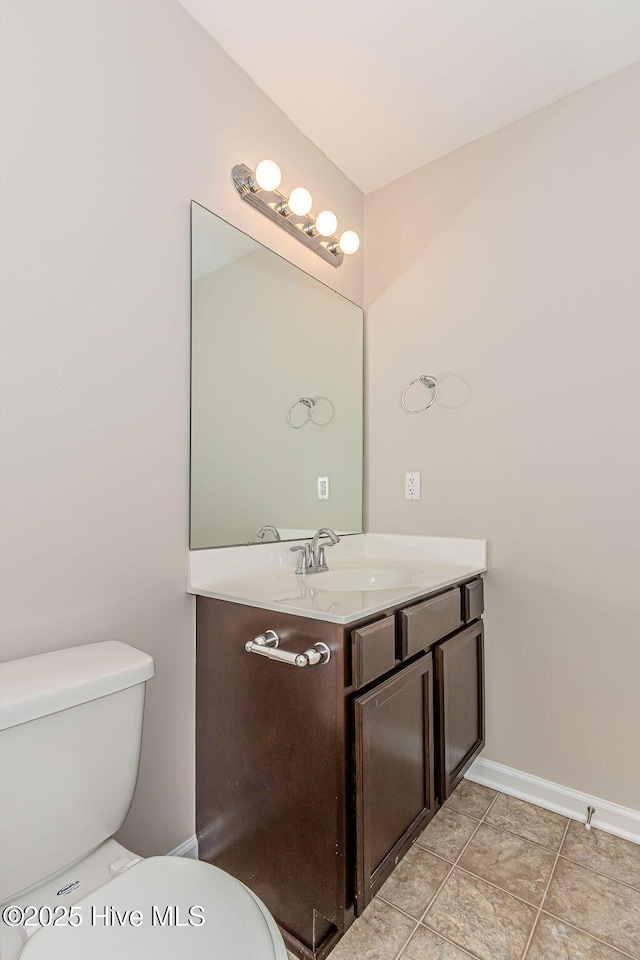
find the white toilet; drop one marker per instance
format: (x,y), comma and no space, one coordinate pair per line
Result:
(70,731)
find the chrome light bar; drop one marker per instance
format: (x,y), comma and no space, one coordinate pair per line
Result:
(273,205)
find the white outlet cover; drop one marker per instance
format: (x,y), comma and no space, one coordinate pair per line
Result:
(412,486)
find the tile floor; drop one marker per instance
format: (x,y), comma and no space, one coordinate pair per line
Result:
(495,878)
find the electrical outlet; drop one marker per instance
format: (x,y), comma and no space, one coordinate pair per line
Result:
(323,488)
(412,486)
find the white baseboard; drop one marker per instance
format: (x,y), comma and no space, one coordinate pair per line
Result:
(187,849)
(610,817)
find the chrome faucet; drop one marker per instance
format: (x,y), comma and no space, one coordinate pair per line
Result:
(312,559)
(317,548)
(268,528)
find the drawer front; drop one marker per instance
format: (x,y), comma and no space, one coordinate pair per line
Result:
(424,624)
(373,650)
(473,600)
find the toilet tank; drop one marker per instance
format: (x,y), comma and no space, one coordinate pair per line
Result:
(70,732)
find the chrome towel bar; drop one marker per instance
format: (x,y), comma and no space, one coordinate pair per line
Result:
(266,645)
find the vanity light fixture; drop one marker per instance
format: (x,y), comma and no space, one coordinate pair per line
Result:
(260,189)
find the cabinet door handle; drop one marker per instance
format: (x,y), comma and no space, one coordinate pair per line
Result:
(266,645)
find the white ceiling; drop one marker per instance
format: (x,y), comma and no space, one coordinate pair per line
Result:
(385,87)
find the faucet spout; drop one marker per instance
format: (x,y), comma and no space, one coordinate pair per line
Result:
(268,528)
(318,562)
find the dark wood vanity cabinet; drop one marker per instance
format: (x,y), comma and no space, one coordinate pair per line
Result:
(312,783)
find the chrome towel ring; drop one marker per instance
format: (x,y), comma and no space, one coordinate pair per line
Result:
(311,406)
(430,383)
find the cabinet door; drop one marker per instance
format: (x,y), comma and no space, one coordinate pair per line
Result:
(460,698)
(394,772)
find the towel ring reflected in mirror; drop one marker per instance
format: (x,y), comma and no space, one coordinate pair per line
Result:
(307,404)
(307,410)
(430,383)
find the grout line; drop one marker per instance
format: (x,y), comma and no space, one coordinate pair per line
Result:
(400,911)
(438,856)
(586,933)
(512,833)
(455,862)
(463,813)
(519,835)
(431,901)
(489,808)
(496,886)
(406,942)
(449,806)
(599,873)
(395,906)
(546,890)
(465,950)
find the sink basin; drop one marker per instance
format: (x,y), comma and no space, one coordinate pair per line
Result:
(363,578)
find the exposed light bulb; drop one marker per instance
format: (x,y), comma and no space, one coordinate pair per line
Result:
(300,201)
(268,175)
(349,241)
(326,223)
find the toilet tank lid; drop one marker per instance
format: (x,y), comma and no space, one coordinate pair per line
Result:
(34,687)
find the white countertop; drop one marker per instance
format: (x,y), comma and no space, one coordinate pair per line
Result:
(263,575)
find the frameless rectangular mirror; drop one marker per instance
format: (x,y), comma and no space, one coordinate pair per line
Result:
(276,395)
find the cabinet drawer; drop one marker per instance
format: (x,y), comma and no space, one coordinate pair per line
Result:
(425,623)
(373,650)
(472,600)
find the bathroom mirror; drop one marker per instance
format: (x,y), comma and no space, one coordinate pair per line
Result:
(276,395)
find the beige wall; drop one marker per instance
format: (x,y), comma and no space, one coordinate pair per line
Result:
(115,114)
(510,270)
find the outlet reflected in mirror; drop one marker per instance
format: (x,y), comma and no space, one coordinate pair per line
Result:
(276,395)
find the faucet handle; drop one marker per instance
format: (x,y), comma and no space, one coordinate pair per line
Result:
(303,562)
(322,563)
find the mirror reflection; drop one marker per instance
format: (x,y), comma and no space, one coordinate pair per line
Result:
(276,395)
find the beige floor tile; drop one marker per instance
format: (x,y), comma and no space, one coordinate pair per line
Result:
(377,935)
(532,823)
(604,853)
(415,881)
(427,945)
(555,940)
(599,905)
(447,833)
(471,798)
(488,922)
(514,864)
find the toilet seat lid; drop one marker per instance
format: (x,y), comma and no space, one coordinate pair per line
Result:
(236,925)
